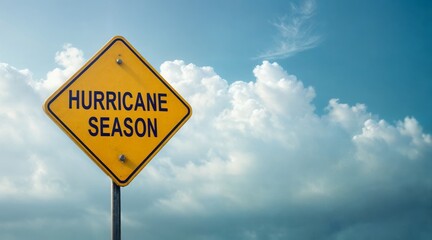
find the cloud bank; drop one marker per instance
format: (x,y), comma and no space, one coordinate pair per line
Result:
(254,162)
(295,32)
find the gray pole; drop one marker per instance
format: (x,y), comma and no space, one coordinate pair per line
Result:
(115,212)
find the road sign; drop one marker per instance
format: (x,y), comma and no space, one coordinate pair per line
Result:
(119,110)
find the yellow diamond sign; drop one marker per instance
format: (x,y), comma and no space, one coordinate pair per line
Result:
(119,110)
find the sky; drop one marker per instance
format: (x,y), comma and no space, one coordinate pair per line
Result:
(311,120)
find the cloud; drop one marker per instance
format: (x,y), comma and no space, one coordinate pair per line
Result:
(254,162)
(38,183)
(70,60)
(295,32)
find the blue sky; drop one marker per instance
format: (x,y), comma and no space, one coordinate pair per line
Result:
(375,53)
(311,120)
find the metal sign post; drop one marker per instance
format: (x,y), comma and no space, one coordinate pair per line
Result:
(116,212)
(120,111)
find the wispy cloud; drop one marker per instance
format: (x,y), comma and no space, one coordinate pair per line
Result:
(295,32)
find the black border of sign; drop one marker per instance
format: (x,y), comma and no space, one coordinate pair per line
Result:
(158,147)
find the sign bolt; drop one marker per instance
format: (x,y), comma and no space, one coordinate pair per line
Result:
(122,158)
(119,61)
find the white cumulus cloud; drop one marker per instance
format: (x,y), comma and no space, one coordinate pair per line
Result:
(255,160)
(70,60)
